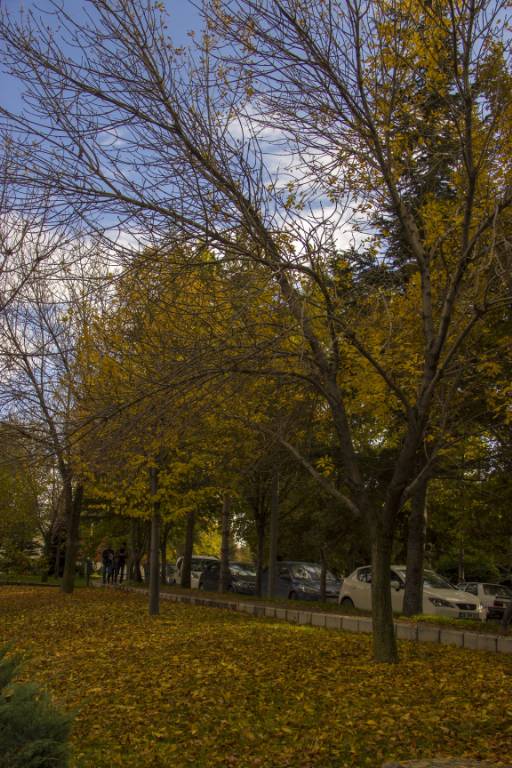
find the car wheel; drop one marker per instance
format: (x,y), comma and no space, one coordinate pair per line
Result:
(347,603)
(293,596)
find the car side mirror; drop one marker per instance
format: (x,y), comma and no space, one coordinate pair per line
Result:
(396,585)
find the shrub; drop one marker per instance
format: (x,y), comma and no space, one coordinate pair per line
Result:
(32,733)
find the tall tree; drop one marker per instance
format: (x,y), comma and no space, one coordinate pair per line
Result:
(38,333)
(337,81)
(346,82)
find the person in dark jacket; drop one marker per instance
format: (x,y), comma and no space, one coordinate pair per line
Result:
(107,565)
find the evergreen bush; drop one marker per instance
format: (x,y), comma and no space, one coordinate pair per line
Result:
(32,733)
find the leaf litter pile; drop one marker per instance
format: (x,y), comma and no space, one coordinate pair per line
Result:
(207,688)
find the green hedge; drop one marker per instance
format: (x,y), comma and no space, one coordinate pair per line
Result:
(32,733)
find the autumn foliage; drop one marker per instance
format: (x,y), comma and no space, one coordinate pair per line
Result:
(203,687)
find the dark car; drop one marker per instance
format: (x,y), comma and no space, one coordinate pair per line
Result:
(197,566)
(242,578)
(301,581)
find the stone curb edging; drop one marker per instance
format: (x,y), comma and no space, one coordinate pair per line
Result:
(404,631)
(442,763)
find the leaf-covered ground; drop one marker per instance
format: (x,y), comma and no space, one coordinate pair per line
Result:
(208,688)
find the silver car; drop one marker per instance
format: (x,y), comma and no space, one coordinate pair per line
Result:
(494,597)
(298,580)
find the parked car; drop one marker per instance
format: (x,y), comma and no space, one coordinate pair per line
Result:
(242,578)
(439,597)
(298,580)
(494,597)
(199,563)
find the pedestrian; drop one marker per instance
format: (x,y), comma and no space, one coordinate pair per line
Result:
(115,568)
(111,568)
(121,562)
(107,564)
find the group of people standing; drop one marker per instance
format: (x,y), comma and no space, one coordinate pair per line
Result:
(113,564)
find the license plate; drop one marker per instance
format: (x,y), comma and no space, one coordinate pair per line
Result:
(466,615)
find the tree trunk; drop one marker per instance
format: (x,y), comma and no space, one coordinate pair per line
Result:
(274,536)
(154,570)
(56,568)
(137,550)
(163,552)
(224,547)
(461,568)
(189,548)
(384,642)
(56,540)
(73,511)
(260,553)
(137,569)
(413,596)
(58,537)
(323,574)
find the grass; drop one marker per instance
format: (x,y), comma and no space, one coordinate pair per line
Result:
(491,627)
(36,579)
(313,605)
(464,625)
(203,688)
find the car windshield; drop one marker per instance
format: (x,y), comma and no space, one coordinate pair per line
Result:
(497,589)
(431,579)
(310,572)
(200,565)
(243,569)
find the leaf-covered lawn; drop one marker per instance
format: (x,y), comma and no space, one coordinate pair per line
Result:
(204,688)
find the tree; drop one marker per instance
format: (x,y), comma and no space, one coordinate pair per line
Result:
(344,81)
(149,340)
(24,518)
(31,239)
(338,81)
(38,333)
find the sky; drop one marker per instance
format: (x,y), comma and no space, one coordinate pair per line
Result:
(183,17)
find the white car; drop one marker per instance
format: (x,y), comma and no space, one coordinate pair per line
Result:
(439,597)
(494,597)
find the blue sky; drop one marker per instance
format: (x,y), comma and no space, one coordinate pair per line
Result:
(183,17)
(183,14)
